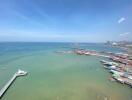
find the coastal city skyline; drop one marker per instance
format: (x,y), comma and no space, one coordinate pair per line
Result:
(65,20)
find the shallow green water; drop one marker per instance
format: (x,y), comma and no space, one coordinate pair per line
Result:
(54,76)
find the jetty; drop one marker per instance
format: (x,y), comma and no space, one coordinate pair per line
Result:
(8,84)
(120,74)
(119,64)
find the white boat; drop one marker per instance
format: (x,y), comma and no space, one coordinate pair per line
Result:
(130,77)
(116,72)
(120,80)
(109,63)
(112,67)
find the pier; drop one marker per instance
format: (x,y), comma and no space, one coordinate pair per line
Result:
(8,84)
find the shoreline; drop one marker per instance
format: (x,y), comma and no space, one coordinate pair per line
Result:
(120,64)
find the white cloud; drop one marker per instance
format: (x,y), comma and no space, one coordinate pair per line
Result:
(124,34)
(121,20)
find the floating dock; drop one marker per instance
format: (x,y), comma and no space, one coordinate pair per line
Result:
(8,84)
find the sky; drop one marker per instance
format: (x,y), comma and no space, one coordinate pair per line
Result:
(65,20)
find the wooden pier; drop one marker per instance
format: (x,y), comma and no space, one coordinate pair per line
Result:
(8,84)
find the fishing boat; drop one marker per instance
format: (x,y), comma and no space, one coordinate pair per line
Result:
(109,63)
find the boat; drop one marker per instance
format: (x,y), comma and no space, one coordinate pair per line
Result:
(118,78)
(130,77)
(109,63)
(116,72)
(110,67)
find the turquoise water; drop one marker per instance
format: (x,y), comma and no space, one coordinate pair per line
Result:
(54,76)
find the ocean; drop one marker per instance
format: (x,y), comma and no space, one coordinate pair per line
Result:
(58,76)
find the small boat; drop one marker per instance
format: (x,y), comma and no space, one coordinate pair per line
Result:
(109,63)
(117,73)
(110,67)
(130,77)
(120,80)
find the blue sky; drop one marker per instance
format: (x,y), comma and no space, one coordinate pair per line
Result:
(65,20)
